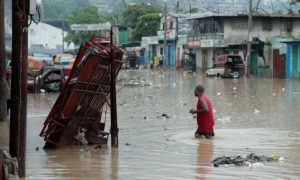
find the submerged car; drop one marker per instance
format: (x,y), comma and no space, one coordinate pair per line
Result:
(228,65)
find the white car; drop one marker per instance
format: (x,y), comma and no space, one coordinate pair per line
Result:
(215,72)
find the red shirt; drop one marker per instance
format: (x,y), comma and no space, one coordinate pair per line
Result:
(205,121)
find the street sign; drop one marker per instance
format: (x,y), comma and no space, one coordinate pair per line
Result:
(146,41)
(90,27)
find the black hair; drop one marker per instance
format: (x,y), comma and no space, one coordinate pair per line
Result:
(199,88)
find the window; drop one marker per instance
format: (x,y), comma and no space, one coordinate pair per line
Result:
(239,24)
(161,51)
(171,25)
(289,25)
(267,25)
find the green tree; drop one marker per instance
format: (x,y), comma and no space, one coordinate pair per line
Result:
(62,9)
(147,25)
(132,13)
(89,15)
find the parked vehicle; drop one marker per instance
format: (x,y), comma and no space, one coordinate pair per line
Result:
(52,80)
(228,65)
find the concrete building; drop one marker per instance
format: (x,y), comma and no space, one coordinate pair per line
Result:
(218,34)
(44,38)
(177,28)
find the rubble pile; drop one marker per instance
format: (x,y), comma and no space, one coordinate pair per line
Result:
(247,161)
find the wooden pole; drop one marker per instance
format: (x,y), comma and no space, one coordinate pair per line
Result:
(23,110)
(165,36)
(3,84)
(15,79)
(249,49)
(113,101)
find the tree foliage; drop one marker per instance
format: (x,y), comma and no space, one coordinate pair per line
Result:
(89,15)
(147,25)
(132,13)
(62,9)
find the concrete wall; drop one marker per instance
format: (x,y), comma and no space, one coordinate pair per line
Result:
(199,58)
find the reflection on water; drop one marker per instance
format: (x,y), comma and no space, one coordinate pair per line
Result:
(205,155)
(253,115)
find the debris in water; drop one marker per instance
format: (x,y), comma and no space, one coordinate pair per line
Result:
(98,146)
(218,93)
(256,111)
(274,94)
(252,160)
(225,119)
(165,116)
(234,88)
(37,148)
(283,89)
(145,117)
(127,144)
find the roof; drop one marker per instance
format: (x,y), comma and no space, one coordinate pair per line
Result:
(291,42)
(201,16)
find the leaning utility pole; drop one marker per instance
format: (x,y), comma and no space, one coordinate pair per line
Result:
(249,38)
(165,36)
(3,84)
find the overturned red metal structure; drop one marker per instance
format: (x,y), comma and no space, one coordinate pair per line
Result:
(81,101)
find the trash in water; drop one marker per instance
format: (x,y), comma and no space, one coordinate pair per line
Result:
(224,119)
(218,93)
(234,88)
(274,94)
(165,116)
(251,160)
(283,89)
(256,111)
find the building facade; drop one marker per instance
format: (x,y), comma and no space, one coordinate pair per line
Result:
(219,34)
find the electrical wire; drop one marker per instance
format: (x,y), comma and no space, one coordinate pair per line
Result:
(39,19)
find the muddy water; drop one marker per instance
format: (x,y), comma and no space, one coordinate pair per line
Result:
(253,115)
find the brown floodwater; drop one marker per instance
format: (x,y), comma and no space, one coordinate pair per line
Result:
(252,115)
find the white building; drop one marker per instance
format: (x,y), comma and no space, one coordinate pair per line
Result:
(46,36)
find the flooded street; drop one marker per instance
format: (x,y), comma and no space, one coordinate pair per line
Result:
(252,115)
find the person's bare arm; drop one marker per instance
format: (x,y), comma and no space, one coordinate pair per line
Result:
(200,111)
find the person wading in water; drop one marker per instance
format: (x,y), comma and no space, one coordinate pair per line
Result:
(205,117)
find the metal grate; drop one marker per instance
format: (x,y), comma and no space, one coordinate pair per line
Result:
(85,93)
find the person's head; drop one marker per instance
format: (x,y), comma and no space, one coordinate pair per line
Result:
(199,90)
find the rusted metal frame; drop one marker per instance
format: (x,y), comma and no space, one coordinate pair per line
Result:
(86,91)
(103,77)
(91,77)
(62,98)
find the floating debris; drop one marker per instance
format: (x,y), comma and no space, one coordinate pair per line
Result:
(127,144)
(256,111)
(225,119)
(251,160)
(165,116)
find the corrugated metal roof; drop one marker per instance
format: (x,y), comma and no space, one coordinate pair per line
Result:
(244,15)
